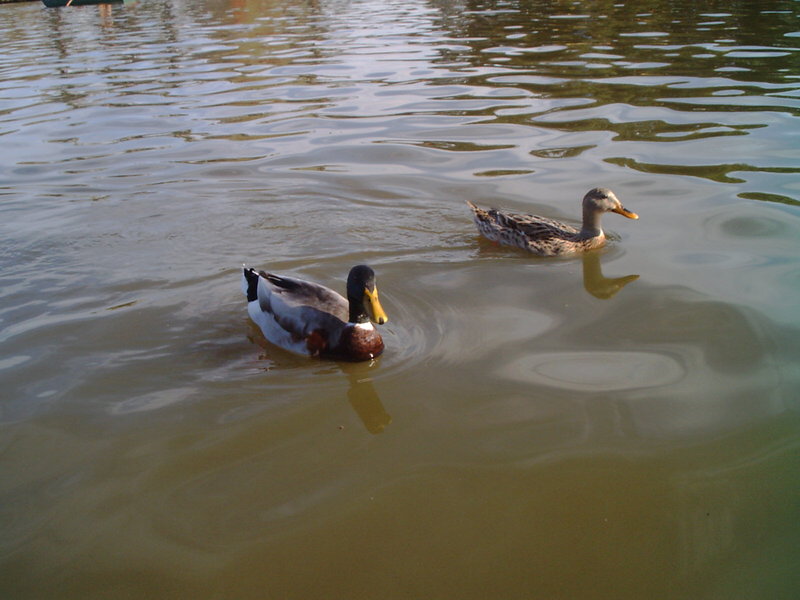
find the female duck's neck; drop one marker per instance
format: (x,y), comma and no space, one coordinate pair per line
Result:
(591,224)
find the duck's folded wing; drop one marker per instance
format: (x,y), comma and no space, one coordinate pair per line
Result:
(534,226)
(301,306)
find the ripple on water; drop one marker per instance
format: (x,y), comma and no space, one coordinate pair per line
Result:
(152,401)
(599,371)
(748,220)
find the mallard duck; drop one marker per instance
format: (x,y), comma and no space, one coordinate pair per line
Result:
(311,319)
(547,237)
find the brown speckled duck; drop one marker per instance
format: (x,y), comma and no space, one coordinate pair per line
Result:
(547,237)
(311,319)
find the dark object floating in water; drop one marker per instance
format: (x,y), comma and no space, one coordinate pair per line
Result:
(55,3)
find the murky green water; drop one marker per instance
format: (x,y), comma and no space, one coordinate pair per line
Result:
(619,426)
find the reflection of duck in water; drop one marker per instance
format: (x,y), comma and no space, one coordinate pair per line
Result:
(598,285)
(365,400)
(547,237)
(311,319)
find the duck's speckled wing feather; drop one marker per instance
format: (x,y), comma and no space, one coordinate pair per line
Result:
(532,226)
(540,235)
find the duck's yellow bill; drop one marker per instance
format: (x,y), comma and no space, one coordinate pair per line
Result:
(375,306)
(625,212)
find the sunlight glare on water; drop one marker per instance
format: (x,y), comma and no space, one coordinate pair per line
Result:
(618,425)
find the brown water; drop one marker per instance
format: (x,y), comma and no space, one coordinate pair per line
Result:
(619,426)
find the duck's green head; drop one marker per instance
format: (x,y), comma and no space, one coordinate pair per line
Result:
(362,294)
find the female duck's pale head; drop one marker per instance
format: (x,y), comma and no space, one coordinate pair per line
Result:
(600,200)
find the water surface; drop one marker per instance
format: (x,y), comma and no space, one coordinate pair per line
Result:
(621,425)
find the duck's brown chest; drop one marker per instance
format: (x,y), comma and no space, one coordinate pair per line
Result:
(358,344)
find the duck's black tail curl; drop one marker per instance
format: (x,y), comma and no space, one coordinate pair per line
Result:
(250,283)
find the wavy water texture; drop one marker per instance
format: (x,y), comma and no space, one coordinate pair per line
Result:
(613,425)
